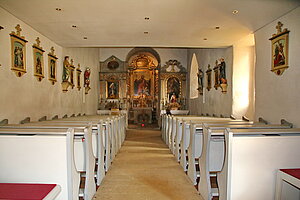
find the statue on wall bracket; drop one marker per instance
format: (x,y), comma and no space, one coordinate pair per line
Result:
(71,70)
(87,74)
(200,81)
(223,80)
(18,54)
(66,74)
(208,75)
(217,75)
(78,75)
(280,44)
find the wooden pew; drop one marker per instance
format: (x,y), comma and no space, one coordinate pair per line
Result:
(115,130)
(98,141)
(41,156)
(178,132)
(108,137)
(212,157)
(185,139)
(85,159)
(287,184)
(172,129)
(196,143)
(255,156)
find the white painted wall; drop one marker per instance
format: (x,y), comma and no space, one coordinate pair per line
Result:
(213,101)
(278,97)
(243,78)
(25,96)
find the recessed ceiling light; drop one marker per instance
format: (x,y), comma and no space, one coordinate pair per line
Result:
(146,32)
(204,38)
(235,12)
(58,9)
(147,18)
(217,27)
(74,26)
(85,38)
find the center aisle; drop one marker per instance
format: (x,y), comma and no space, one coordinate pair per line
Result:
(144,169)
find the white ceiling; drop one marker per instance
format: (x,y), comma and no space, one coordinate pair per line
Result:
(173,23)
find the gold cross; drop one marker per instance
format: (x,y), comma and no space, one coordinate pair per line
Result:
(18,28)
(38,42)
(52,50)
(278,27)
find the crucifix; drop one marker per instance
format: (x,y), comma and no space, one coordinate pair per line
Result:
(278,27)
(18,28)
(38,42)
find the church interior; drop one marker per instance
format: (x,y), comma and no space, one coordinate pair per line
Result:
(124,94)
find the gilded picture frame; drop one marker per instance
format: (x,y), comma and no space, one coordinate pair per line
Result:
(38,60)
(18,52)
(52,66)
(112,89)
(280,53)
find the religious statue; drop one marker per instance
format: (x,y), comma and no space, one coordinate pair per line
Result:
(173,98)
(87,74)
(200,81)
(222,67)
(223,80)
(66,74)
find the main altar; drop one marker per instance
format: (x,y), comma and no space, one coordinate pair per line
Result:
(140,86)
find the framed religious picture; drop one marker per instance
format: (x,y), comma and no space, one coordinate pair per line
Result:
(18,52)
(78,75)
(38,60)
(142,83)
(280,44)
(52,68)
(112,89)
(173,88)
(208,75)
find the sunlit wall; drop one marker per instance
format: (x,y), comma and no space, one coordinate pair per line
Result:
(243,78)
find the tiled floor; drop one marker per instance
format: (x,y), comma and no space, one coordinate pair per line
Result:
(144,169)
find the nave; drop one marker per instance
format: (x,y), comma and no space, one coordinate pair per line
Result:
(145,169)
